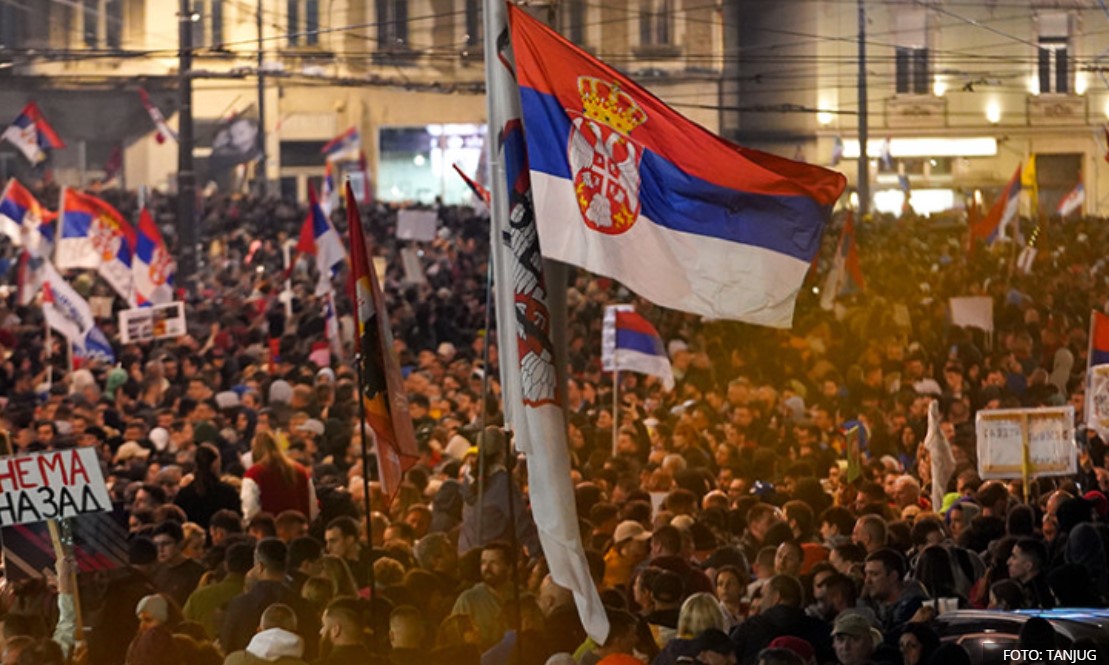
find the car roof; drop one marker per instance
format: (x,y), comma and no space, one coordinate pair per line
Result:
(1074,622)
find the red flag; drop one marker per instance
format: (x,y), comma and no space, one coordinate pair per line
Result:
(383,388)
(475,186)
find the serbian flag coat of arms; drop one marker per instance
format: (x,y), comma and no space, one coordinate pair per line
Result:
(154,268)
(626,187)
(32,134)
(94,235)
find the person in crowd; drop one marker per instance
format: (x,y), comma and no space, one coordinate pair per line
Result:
(175,575)
(483,601)
(276,641)
(886,591)
(275,483)
(1026,566)
(207,494)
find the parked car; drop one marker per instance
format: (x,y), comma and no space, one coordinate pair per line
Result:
(987,634)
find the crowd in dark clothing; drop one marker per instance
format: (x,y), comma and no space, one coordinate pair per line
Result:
(720,524)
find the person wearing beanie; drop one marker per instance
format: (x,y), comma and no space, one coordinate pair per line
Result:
(117,622)
(153,643)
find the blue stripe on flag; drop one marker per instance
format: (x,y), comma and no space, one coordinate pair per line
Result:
(676,200)
(76,224)
(637,341)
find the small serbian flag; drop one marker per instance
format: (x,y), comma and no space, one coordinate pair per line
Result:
(630,342)
(1099,339)
(1072,201)
(154,268)
(347,145)
(32,134)
(24,220)
(318,238)
(92,234)
(1003,214)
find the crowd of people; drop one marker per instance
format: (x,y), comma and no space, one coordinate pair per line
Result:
(719,522)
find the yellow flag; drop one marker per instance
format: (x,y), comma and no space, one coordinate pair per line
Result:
(1028,184)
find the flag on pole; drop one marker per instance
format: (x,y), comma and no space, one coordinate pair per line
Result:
(480,193)
(846,273)
(1002,215)
(162,130)
(939,449)
(93,235)
(155,269)
(626,187)
(1029,182)
(344,146)
(95,348)
(64,309)
(1026,259)
(329,196)
(1072,201)
(630,342)
(24,220)
(887,154)
(331,324)
(529,377)
(319,239)
(32,134)
(854,453)
(386,403)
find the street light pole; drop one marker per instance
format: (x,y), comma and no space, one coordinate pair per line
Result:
(186,175)
(263,179)
(863,185)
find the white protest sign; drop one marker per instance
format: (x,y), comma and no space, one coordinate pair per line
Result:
(413,271)
(1047,433)
(143,324)
(972,312)
(49,486)
(1097,400)
(417,225)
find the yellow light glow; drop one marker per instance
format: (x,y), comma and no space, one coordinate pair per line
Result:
(1080,83)
(1107,108)
(1033,83)
(973,146)
(825,118)
(939,88)
(993,112)
(853,200)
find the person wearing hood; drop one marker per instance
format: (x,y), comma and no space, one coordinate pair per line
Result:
(275,643)
(500,489)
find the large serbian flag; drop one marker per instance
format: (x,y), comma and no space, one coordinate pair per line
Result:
(382,385)
(625,186)
(92,234)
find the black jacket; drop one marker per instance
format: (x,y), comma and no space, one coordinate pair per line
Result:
(754,634)
(240,621)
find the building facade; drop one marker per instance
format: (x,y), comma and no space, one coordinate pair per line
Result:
(408,74)
(959,94)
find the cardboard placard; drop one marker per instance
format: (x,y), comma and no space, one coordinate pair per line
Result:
(143,324)
(419,225)
(48,486)
(972,312)
(1047,434)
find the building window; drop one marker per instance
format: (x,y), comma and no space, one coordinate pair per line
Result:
(392,24)
(573,20)
(302,22)
(656,23)
(911,55)
(102,23)
(1053,65)
(912,71)
(11,25)
(474,24)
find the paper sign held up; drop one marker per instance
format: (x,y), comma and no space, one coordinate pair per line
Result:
(1010,439)
(972,312)
(49,486)
(143,324)
(417,225)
